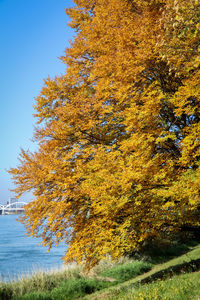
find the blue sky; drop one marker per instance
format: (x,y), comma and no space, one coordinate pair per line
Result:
(33,34)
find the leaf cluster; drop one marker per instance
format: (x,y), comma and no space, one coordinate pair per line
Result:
(118,133)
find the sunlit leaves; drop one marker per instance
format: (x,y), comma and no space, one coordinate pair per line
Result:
(119,132)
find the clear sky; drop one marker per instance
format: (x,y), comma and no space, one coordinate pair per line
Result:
(33,34)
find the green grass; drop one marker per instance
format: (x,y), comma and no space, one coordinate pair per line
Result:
(182,287)
(39,282)
(33,296)
(163,270)
(73,283)
(126,279)
(122,273)
(70,289)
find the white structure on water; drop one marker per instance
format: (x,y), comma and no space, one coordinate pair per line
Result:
(13,206)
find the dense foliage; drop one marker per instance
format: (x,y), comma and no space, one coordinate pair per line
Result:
(118,162)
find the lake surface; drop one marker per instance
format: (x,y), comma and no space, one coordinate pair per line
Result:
(20,254)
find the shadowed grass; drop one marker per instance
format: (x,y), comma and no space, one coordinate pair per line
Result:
(125,272)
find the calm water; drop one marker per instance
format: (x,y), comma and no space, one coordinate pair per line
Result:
(20,254)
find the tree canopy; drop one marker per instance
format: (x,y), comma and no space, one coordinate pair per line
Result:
(118,162)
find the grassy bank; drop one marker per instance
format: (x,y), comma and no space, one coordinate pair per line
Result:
(169,275)
(182,287)
(73,282)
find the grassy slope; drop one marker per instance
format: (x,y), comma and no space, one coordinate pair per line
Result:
(120,291)
(126,280)
(182,287)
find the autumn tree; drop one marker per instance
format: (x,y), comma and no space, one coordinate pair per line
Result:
(118,133)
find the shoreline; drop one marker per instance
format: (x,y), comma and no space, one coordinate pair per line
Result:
(127,279)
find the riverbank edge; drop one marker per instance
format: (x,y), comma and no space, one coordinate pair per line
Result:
(97,283)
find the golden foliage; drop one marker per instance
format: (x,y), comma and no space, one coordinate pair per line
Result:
(119,132)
